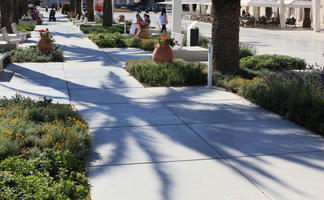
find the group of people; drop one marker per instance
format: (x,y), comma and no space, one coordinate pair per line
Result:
(163,18)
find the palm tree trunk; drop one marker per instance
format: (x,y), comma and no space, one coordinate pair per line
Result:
(22,7)
(107,13)
(72,8)
(16,12)
(225,34)
(79,8)
(90,11)
(7,14)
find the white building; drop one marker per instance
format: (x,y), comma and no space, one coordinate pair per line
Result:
(277,8)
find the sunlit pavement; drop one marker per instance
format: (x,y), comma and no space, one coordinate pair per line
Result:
(301,43)
(185,143)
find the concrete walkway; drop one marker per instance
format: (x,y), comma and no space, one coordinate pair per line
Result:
(187,143)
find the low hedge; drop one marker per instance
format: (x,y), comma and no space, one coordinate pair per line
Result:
(103,29)
(178,73)
(272,62)
(32,54)
(108,40)
(115,40)
(42,150)
(24,27)
(298,97)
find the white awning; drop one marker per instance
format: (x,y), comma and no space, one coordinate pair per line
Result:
(254,3)
(260,3)
(276,3)
(298,3)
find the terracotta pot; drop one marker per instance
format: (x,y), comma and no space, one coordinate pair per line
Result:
(121,18)
(143,33)
(45,43)
(162,53)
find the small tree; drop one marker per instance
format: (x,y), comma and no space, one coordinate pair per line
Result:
(107,13)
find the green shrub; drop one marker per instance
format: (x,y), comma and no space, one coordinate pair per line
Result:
(272,62)
(132,41)
(42,150)
(178,73)
(296,96)
(147,44)
(24,27)
(246,50)
(108,40)
(31,126)
(54,175)
(102,29)
(32,54)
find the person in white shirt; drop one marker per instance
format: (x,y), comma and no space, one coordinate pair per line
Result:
(163,20)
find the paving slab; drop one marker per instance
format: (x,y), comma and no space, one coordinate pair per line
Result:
(121,55)
(35,66)
(181,94)
(106,96)
(98,64)
(251,138)
(103,82)
(94,72)
(135,114)
(24,83)
(286,177)
(128,145)
(207,180)
(39,74)
(218,111)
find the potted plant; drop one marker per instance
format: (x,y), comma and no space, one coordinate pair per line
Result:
(143,31)
(45,44)
(162,50)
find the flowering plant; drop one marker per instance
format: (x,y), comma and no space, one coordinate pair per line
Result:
(165,39)
(143,25)
(45,33)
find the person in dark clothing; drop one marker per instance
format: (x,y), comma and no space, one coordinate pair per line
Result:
(52,15)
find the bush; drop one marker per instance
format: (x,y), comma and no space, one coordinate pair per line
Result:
(24,27)
(132,41)
(31,126)
(108,40)
(296,96)
(54,175)
(246,50)
(102,29)
(272,62)
(178,73)
(42,150)
(32,54)
(147,44)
